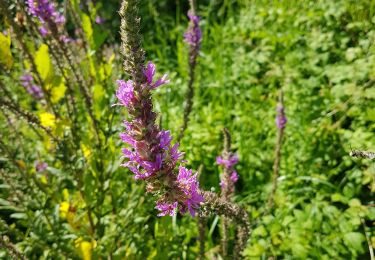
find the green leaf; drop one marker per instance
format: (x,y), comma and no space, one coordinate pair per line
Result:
(58,90)
(6,58)
(354,240)
(99,37)
(87,28)
(44,64)
(19,215)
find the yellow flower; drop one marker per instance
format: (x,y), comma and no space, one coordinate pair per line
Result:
(47,119)
(85,247)
(64,209)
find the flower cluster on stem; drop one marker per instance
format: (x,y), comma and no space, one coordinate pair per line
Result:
(280,117)
(50,19)
(228,161)
(151,156)
(32,89)
(193,35)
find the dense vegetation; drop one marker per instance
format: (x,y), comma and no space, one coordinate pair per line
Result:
(321,54)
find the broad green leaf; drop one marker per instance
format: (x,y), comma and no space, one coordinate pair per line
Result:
(44,64)
(6,58)
(354,240)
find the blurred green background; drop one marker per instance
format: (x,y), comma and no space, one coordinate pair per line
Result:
(322,55)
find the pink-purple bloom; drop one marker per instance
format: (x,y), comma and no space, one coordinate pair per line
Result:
(234,176)
(188,183)
(99,20)
(125,92)
(32,89)
(151,156)
(228,163)
(193,35)
(150,73)
(230,176)
(46,12)
(40,166)
(280,117)
(167,209)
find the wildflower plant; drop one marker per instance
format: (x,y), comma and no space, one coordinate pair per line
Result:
(152,157)
(193,38)
(86,171)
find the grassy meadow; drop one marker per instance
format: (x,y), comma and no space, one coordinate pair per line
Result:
(84,205)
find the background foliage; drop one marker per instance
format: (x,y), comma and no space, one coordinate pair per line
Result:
(320,53)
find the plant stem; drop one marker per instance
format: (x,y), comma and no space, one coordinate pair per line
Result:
(276,165)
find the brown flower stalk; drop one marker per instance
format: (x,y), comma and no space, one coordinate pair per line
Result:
(280,122)
(193,37)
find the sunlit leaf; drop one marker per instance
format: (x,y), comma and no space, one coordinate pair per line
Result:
(44,64)
(6,58)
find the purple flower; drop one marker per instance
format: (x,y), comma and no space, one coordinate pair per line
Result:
(185,178)
(26,79)
(43,31)
(45,11)
(228,163)
(189,185)
(169,209)
(40,166)
(193,35)
(163,80)
(149,72)
(127,139)
(280,117)
(125,92)
(35,91)
(27,83)
(99,20)
(234,176)
(151,156)
(175,154)
(165,139)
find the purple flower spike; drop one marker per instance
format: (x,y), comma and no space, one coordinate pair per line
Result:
(193,35)
(125,92)
(32,89)
(228,163)
(35,91)
(151,156)
(280,118)
(46,12)
(230,176)
(27,78)
(167,209)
